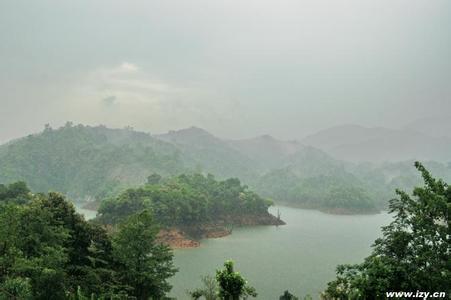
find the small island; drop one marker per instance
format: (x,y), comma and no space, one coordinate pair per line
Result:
(190,207)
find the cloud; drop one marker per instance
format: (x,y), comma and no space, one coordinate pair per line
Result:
(128,94)
(128,67)
(127,83)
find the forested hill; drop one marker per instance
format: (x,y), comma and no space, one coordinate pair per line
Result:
(48,251)
(203,152)
(189,200)
(86,161)
(97,162)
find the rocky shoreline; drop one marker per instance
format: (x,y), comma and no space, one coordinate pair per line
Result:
(190,236)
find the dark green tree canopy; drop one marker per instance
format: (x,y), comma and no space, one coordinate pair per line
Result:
(233,286)
(16,192)
(145,265)
(414,252)
(48,251)
(209,290)
(154,178)
(288,296)
(185,199)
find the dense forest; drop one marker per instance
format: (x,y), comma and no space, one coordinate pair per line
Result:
(414,253)
(84,161)
(185,200)
(89,163)
(48,251)
(328,193)
(225,150)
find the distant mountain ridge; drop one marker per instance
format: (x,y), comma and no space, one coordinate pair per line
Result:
(378,144)
(85,161)
(269,151)
(204,152)
(439,126)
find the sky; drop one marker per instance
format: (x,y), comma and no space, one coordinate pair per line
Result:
(237,68)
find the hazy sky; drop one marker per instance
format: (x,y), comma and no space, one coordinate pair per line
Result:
(236,68)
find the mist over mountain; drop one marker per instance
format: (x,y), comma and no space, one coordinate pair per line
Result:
(188,119)
(204,152)
(267,150)
(378,144)
(439,126)
(85,161)
(95,162)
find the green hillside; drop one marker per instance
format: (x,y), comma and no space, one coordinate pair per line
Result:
(84,161)
(185,200)
(90,163)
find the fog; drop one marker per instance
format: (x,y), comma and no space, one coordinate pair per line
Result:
(235,68)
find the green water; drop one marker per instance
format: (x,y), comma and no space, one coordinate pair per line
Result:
(300,256)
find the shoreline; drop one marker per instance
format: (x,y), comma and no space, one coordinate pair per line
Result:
(184,237)
(332,211)
(189,236)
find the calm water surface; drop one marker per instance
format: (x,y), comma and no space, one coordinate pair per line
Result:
(300,256)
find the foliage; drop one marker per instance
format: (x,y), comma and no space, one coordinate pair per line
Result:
(154,178)
(48,251)
(16,192)
(145,265)
(414,252)
(87,162)
(209,290)
(233,286)
(202,152)
(83,161)
(185,199)
(15,288)
(338,192)
(288,296)
(32,248)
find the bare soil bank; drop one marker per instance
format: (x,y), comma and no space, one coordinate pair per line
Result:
(189,236)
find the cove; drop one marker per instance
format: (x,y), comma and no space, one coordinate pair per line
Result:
(300,256)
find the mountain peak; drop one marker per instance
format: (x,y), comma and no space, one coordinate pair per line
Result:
(190,135)
(189,131)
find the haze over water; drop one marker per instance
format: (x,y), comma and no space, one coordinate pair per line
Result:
(300,256)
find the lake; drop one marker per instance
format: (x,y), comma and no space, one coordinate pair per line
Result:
(300,256)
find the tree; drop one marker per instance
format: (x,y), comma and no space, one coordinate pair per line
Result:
(145,265)
(17,193)
(288,296)
(232,286)
(48,251)
(32,252)
(184,200)
(414,252)
(210,289)
(78,243)
(154,179)
(16,288)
